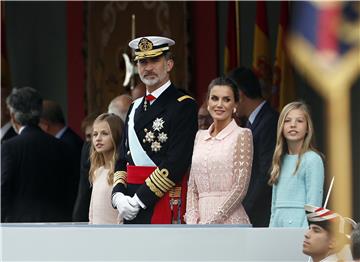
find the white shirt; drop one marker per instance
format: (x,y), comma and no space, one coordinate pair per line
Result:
(61,132)
(21,129)
(4,129)
(255,112)
(159,91)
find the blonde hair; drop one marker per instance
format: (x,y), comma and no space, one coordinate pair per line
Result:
(281,145)
(97,160)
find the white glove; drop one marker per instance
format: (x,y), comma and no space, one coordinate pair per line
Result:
(127,208)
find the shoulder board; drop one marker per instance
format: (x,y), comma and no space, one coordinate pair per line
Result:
(181,98)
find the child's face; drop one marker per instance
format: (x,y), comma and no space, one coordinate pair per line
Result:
(101,137)
(295,126)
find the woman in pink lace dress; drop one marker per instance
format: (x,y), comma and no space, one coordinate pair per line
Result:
(221,163)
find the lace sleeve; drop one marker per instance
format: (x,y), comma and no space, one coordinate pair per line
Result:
(192,203)
(242,156)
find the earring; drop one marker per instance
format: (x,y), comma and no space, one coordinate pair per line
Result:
(234,110)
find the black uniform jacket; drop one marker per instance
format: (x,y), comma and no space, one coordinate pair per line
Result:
(169,145)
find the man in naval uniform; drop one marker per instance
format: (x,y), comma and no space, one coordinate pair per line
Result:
(155,153)
(327,239)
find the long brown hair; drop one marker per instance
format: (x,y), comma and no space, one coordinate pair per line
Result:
(97,160)
(281,147)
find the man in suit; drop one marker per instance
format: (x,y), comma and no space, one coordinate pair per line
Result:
(355,243)
(262,120)
(52,121)
(7,131)
(34,169)
(156,149)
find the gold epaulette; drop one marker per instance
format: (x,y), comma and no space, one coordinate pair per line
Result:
(184,97)
(120,177)
(158,182)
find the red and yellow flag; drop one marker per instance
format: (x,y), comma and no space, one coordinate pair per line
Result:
(283,90)
(261,52)
(232,52)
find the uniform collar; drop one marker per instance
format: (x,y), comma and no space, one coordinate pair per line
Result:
(160,90)
(332,258)
(223,133)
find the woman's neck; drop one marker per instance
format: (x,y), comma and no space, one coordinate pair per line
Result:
(107,158)
(294,147)
(219,125)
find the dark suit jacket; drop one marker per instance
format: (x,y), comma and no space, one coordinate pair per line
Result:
(257,202)
(82,203)
(75,143)
(9,134)
(34,178)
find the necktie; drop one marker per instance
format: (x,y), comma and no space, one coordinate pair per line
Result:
(147,101)
(150,98)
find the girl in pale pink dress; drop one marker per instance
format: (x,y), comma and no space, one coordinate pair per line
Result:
(221,163)
(107,129)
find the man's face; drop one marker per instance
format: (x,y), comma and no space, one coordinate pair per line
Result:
(154,71)
(317,242)
(241,106)
(204,118)
(88,133)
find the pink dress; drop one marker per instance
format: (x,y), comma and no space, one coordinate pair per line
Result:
(219,176)
(100,210)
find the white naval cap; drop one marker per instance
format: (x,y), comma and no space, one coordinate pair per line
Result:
(326,218)
(150,46)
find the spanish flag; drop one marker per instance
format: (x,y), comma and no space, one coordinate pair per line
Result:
(261,52)
(232,52)
(283,90)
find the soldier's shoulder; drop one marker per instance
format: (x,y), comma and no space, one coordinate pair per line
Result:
(183,98)
(183,95)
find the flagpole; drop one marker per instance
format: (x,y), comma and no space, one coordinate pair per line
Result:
(237,16)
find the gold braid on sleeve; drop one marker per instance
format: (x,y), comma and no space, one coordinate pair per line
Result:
(120,177)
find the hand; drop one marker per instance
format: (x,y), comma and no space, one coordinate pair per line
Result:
(124,204)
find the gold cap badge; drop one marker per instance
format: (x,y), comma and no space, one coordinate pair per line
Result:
(145,45)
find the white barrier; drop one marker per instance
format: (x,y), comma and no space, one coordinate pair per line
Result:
(70,242)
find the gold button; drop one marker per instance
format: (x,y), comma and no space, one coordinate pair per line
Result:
(128,152)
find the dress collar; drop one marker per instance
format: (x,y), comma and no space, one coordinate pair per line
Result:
(223,133)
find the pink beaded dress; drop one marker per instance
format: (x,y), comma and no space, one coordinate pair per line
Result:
(219,176)
(100,210)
